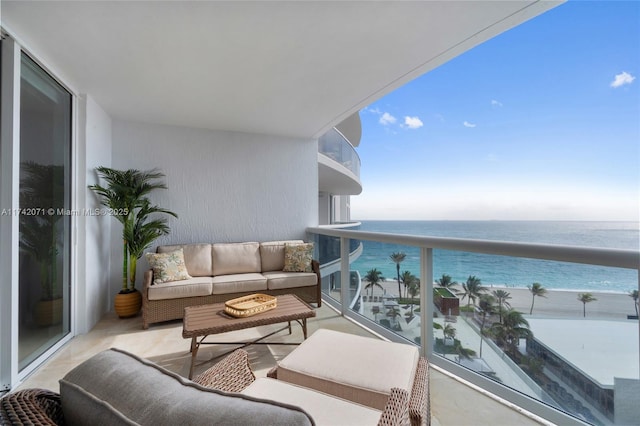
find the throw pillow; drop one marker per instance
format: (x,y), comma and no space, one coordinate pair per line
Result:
(168,266)
(297,257)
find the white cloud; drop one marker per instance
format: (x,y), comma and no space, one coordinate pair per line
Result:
(467,124)
(374,111)
(622,79)
(496,103)
(413,122)
(387,119)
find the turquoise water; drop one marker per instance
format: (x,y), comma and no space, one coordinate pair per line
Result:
(503,270)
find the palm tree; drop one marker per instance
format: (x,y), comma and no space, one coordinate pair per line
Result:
(486,308)
(408,279)
(501,297)
(446,281)
(472,289)
(449,331)
(42,185)
(512,328)
(144,232)
(414,288)
(585,298)
(398,258)
(463,352)
(125,194)
(634,295)
(374,277)
(536,289)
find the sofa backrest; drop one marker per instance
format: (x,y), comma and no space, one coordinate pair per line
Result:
(272,254)
(235,258)
(118,388)
(197,258)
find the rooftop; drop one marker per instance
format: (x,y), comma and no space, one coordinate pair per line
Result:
(604,349)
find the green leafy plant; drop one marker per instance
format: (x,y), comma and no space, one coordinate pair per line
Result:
(126,196)
(42,185)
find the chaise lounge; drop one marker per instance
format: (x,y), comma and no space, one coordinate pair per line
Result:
(130,390)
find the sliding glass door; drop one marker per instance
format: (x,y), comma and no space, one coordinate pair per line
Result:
(44,213)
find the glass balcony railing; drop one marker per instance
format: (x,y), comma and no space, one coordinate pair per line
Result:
(569,357)
(335,146)
(328,253)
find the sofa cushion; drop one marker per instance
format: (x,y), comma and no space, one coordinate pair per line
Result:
(280,280)
(331,362)
(297,257)
(197,257)
(272,254)
(324,409)
(236,258)
(238,283)
(115,388)
(168,266)
(197,286)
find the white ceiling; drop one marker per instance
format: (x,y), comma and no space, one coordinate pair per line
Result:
(284,68)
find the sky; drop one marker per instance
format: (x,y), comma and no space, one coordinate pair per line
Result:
(541,122)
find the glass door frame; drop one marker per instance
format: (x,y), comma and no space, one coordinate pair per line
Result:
(10,375)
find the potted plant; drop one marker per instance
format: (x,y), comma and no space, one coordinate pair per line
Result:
(43,185)
(125,195)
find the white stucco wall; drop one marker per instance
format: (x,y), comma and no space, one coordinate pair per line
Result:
(224,186)
(93,253)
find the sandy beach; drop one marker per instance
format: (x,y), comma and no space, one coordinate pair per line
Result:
(556,304)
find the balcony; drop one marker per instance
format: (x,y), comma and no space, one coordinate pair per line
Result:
(570,370)
(489,389)
(452,401)
(338,165)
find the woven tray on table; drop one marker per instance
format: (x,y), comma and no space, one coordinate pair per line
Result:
(252,304)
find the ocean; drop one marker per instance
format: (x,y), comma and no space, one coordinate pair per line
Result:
(503,270)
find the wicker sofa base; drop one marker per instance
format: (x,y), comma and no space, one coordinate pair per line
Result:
(154,311)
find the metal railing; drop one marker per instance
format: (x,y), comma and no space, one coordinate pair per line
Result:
(540,400)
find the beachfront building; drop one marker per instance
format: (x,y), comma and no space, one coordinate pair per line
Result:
(229,100)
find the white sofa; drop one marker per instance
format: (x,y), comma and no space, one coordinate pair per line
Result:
(224,271)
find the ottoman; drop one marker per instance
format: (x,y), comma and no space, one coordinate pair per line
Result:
(355,368)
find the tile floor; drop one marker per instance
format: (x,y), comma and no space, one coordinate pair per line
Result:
(452,402)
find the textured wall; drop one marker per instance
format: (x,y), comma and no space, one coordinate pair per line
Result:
(93,277)
(224,186)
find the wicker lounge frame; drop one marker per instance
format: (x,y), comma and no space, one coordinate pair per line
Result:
(418,402)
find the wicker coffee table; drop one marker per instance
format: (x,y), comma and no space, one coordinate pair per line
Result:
(205,320)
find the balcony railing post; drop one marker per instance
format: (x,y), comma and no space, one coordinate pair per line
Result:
(344,275)
(426,301)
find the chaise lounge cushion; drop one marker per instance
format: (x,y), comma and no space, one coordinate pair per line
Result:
(391,365)
(324,409)
(118,388)
(197,257)
(236,258)
(197,286)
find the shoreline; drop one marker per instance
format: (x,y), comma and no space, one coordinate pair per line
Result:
(558,303)
(518,287)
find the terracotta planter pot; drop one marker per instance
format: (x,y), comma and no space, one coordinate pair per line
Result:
(127,304)
(48,312)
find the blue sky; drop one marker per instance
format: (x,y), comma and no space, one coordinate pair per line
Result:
(541,122)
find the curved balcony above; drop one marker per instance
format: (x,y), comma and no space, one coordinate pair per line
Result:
(338,165)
